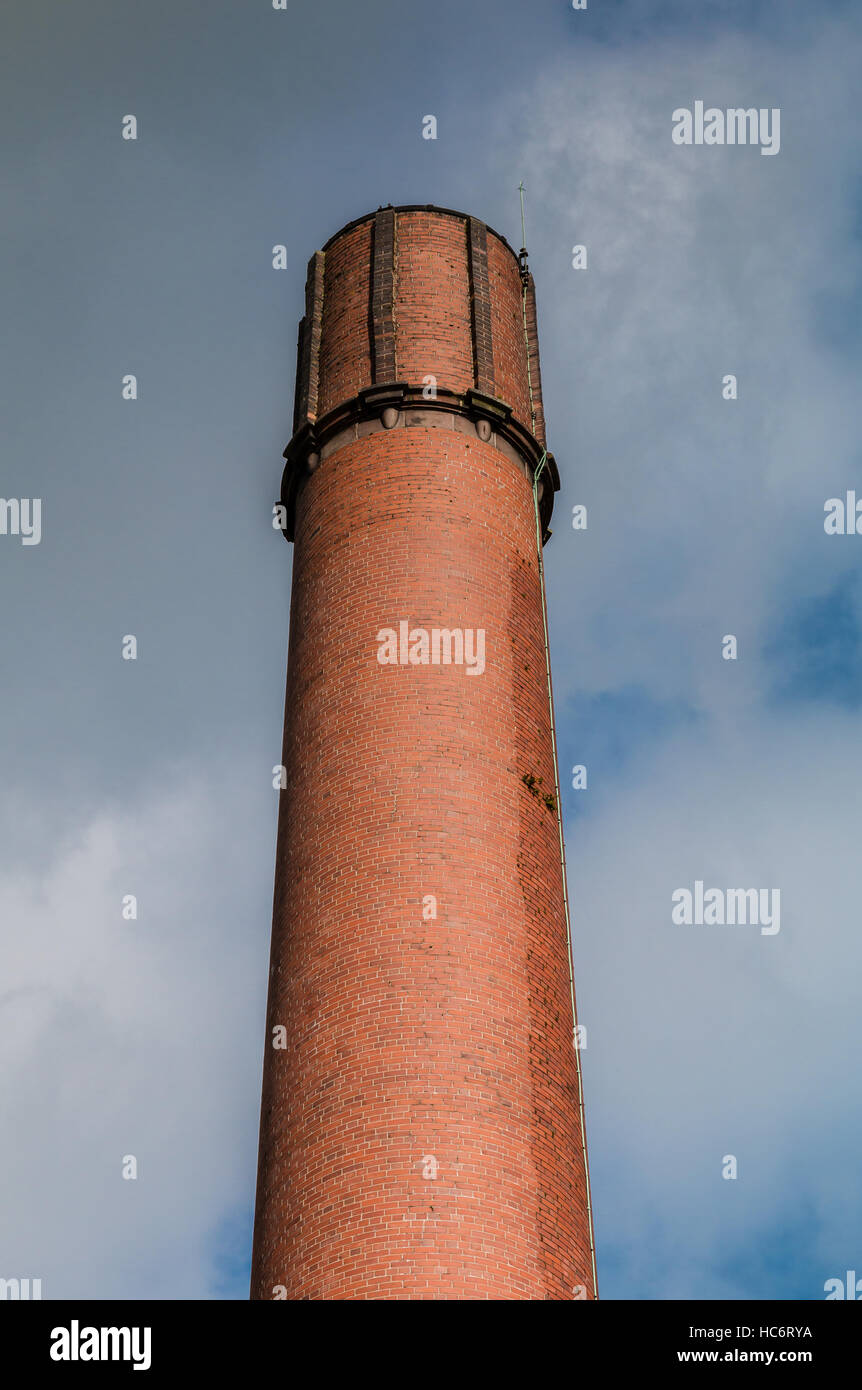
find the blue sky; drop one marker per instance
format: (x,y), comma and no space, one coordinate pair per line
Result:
(705,518)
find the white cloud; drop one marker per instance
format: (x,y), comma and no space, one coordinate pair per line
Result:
(705,1041)
(703,261)
(135,1037)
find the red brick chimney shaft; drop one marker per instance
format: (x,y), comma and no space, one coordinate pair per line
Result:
(420,1126)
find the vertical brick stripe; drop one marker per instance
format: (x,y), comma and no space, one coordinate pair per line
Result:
(383,297)
(345,339)
(533,354)
(507,328)
(480,306)
(300,394)
(432,304)
(308,345)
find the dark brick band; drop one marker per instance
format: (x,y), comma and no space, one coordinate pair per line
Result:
(480,306)
(383,296)
(533,358)
(308,346)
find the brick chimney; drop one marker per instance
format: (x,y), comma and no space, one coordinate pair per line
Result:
(422,1122)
